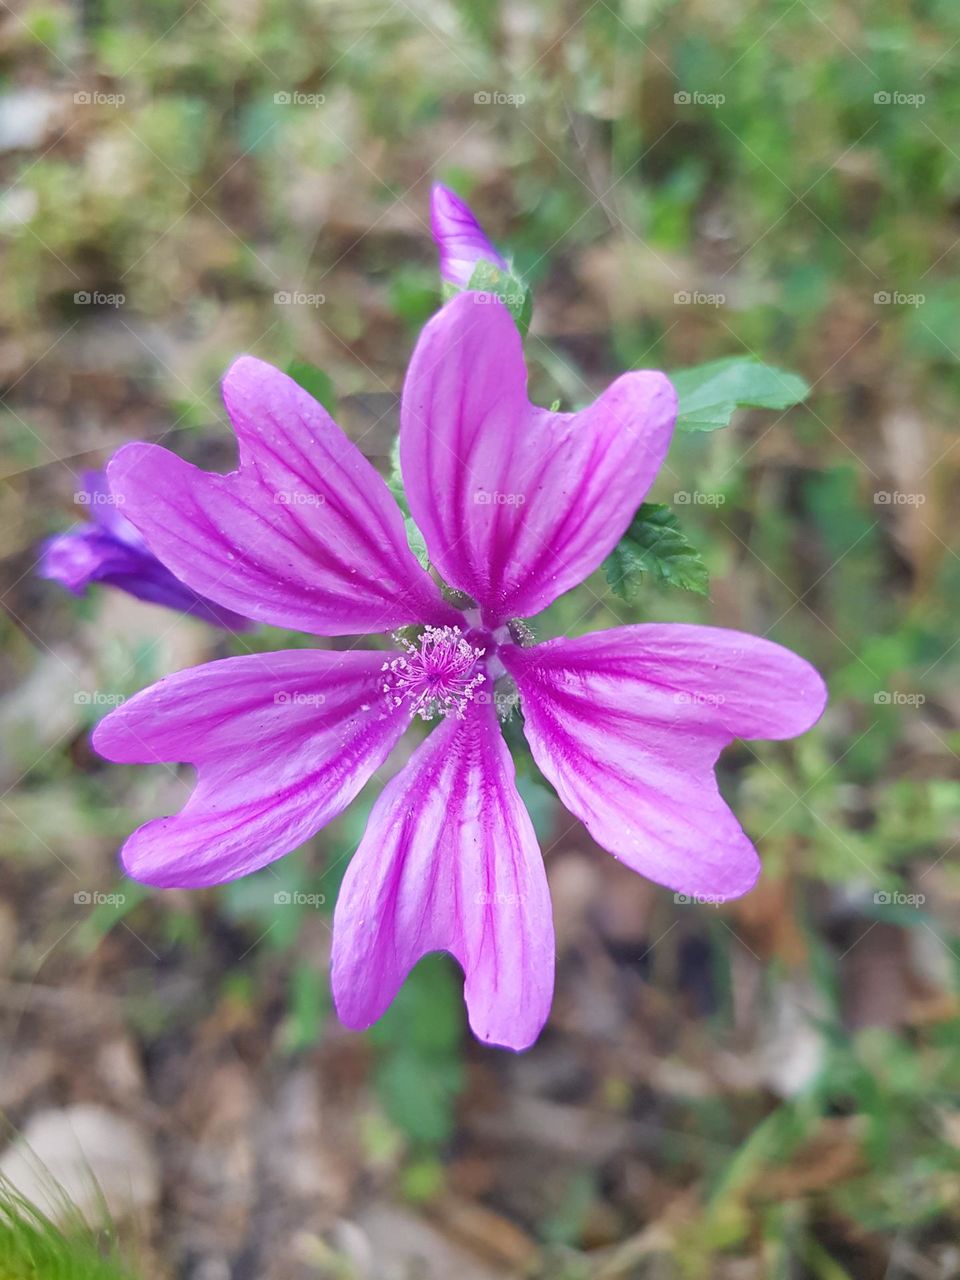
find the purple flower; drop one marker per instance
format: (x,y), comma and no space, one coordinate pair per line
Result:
(459,237)
(109,549)
(517,505)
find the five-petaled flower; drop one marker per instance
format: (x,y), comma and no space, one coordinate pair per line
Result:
(626,724)
(110,550)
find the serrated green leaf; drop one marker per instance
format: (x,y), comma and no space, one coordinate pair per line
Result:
(655,544)
(710,393)
(314,380)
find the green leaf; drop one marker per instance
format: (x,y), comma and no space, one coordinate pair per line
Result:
(710,393)
(488,278)
(419,1094)
(413,293)
(314,380)
(308,1004)
(427,1015)
(419,1074)
(655,544)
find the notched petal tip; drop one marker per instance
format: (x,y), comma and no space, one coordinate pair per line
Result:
(628,724)
(435,871)
(302,533)
(573,480)
(517,1034)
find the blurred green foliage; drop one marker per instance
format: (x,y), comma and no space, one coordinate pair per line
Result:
(35,1247)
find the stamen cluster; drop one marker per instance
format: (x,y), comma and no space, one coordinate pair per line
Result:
(438,673)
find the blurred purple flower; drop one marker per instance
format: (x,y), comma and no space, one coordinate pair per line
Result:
(517,505)
(110,550)
(459,237)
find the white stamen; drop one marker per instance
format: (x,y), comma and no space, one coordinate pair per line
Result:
(438,674)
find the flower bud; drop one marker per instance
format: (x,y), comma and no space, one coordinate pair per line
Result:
(459,237)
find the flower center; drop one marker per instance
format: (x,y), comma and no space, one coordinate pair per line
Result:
(437,674)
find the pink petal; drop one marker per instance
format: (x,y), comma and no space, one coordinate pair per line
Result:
(459,237)
(627,724)
(305,535)
(517,504)
(282,743)
(450,862)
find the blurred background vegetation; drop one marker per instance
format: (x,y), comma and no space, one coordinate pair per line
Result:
(769,1089)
